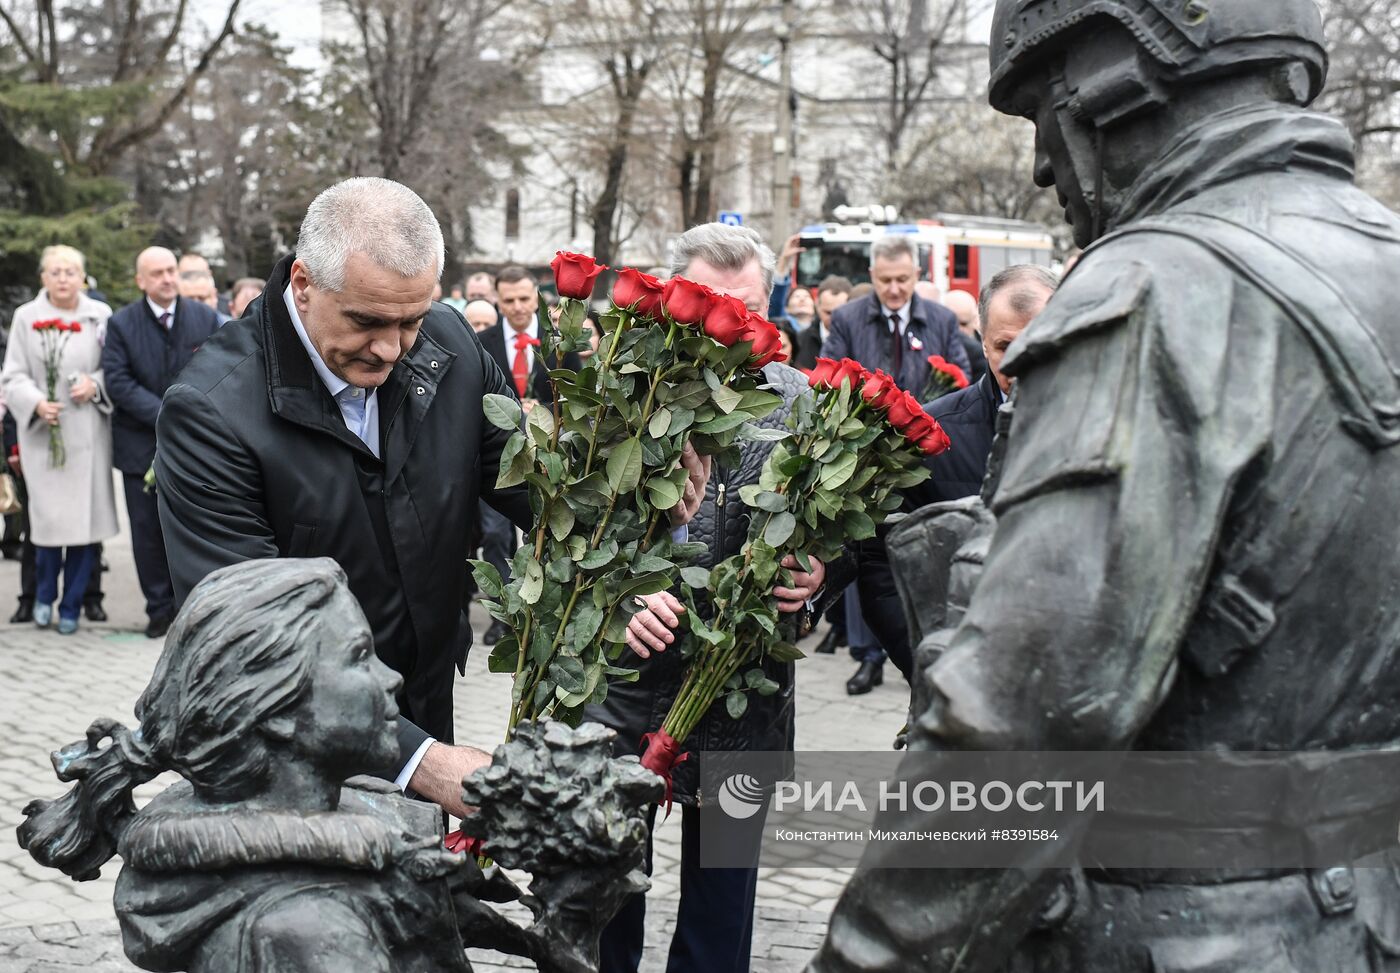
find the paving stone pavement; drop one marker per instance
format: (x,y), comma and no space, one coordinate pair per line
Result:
(51,687)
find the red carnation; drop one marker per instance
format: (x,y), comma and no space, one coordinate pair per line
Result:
(74,326)
(767,340)
(45,325)
(955,375)
(686,301)
(877,388)
(574,274)
(638,291)
(727,320)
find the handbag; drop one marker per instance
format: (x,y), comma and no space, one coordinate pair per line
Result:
(9,496)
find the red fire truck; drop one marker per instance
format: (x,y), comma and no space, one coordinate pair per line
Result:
(956,252)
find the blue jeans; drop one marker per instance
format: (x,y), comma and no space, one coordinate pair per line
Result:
(865,647)
(77,564)
(714,927)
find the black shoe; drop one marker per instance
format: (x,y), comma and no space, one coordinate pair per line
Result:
(158,627)
(95,612)
(867,677)
(24,614)
(495,633)
(834,639)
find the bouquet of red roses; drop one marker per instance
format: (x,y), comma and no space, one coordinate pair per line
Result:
(945,377)
(855,441)
(676,365)
(53,335)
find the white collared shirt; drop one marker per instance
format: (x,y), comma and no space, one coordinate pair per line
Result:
(902,314)
(533,331)
(358,407)
(157,310)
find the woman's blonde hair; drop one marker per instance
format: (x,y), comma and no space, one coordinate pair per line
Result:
(62,253)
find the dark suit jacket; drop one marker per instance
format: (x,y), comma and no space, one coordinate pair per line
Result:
(859,331)
(255,461)
(140,360)
(494,339)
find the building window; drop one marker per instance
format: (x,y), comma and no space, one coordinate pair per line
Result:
(512,214)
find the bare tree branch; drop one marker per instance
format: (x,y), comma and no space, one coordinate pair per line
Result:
(20,42)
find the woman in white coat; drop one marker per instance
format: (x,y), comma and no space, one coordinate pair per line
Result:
(71,502)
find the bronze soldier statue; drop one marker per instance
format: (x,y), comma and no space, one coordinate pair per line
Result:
(1196,532)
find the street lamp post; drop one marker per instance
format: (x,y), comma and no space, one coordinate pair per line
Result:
(782,141)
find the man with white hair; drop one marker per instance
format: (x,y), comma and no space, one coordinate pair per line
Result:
(341,417)
(714,924)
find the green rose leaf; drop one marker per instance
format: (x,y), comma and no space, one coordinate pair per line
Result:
(660,423)
(561,520)
(727,400)
(779,529)
(568,674)
(786,652)
(837,472)
(736,702)
(624,466)
(762,434)
(533,585)
(696,577)
(502,411)
(488,579)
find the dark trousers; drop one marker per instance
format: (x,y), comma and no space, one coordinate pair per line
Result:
(148,547)
(865,646)
(76,563)
(714,927)
(497,540)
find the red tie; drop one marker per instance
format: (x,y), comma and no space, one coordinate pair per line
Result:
(520,369)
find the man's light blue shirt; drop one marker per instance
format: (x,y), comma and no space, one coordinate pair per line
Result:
(358,407)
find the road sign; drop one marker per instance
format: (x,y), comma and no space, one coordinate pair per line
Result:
(731,218)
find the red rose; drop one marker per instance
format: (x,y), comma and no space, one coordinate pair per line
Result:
(935,442)
(850,371)
(903,409)
(877,388)
(686,301)
(919,427)
(727,320)
(574,274)
(767,341)
(639,291)
(823,374)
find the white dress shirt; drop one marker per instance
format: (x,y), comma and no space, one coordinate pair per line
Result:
(157,310)
(902,314)
(358,407)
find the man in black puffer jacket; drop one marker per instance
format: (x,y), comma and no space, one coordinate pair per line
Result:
(715,924)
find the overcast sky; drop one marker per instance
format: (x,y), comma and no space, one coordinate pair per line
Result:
(299,24)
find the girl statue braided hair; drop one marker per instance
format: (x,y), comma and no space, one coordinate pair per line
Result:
(267,697)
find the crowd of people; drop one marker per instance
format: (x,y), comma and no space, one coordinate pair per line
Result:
(288,436)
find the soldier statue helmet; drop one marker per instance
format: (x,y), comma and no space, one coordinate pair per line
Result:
(1093,74)
(1186,553)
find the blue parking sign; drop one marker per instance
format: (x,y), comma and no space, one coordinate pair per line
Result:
(731,218)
